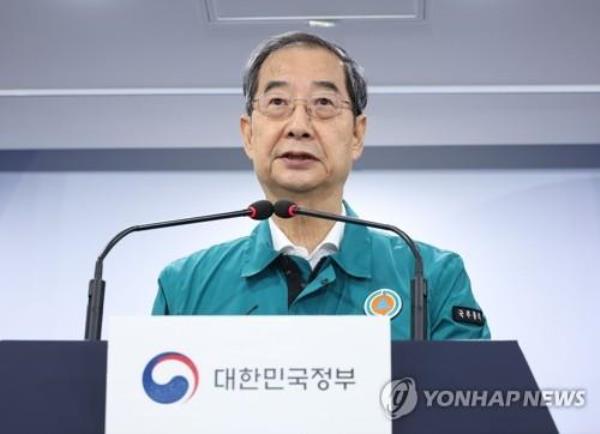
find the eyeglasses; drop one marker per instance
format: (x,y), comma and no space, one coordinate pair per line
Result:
(320,106)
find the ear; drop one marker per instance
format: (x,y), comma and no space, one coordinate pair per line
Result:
(360,128)
(246,131)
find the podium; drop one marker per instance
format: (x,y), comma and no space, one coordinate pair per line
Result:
(468,366)
(59,387)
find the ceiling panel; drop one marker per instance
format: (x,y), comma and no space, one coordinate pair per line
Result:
(277,10)
(155,43)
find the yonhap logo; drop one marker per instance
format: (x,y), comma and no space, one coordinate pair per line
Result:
(177,387)
(399,397)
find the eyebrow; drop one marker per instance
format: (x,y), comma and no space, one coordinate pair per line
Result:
(275,84)
(327,85)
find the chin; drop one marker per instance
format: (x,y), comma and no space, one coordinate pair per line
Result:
(296,184)
(293,188)
(298,188)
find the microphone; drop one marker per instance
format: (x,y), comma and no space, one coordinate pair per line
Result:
(418,284)
(259,210)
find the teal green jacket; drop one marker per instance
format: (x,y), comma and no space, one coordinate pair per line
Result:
(241,277)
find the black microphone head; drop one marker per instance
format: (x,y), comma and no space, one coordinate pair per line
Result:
(285,208)
(260,210)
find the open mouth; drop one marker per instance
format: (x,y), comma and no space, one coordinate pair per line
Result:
(300,156)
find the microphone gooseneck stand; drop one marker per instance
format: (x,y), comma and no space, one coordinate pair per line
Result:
(259,210)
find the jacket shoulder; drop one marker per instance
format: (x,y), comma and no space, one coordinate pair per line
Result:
(432,255)
(208,257)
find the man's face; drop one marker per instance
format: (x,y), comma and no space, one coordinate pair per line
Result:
(299,154)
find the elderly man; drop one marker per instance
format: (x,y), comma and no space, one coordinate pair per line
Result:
(303,129)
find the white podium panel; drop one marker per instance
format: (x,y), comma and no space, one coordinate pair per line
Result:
(263,374)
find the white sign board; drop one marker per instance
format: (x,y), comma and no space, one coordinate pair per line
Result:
(264,374)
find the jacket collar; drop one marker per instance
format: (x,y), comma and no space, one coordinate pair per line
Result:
(259,252)
(353,256)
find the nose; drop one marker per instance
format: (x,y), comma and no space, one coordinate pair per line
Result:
(299,124)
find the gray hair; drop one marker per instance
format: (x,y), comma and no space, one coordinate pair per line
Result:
(356,84)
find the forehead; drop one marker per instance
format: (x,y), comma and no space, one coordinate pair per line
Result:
(302,67)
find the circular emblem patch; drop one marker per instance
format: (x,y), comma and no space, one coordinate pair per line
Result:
(383,302)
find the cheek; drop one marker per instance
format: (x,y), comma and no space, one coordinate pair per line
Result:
(338,146)
(264,141)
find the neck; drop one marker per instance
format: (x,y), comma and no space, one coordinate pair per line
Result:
(308,232)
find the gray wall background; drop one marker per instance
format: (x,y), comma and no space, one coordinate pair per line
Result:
(483,138)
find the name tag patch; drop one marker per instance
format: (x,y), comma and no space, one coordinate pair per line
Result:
(467,315)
